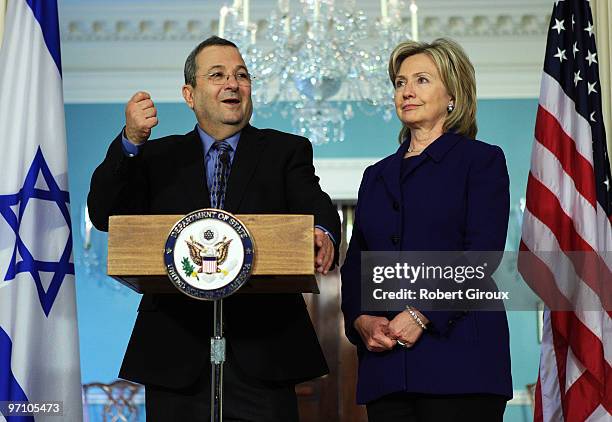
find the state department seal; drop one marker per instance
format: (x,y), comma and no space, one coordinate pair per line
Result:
(209,254)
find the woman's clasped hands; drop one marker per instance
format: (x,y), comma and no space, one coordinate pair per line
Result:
(379,334)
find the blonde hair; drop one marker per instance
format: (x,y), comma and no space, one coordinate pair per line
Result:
(457,73)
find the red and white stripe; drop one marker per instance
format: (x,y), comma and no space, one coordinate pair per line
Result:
(564,230)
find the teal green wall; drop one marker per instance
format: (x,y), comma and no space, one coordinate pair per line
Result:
(106,314)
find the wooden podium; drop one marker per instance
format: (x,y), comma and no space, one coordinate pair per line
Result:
(283,263)
(284,253)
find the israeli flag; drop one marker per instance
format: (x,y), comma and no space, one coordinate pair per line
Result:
(39,355)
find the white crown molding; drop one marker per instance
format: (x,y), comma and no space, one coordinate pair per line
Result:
(192,20)
(110,49)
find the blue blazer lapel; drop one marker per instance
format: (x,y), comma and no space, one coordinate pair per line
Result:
(390,175)
(435,151)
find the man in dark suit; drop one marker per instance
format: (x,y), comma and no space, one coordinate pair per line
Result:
(271,343)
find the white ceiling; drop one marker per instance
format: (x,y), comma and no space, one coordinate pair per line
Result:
(114,47)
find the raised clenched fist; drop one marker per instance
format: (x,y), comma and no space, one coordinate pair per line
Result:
(140,117)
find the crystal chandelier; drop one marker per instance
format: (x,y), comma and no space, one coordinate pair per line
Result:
(309,55)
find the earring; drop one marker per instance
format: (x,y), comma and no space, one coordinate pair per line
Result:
(450,107)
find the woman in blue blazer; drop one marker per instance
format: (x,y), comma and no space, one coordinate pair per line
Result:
(441,191)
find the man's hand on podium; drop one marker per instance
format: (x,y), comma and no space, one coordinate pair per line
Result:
(324,251)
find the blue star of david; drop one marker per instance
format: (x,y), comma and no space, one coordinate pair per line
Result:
(28,264)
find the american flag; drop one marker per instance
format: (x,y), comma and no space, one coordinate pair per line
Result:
(568,209)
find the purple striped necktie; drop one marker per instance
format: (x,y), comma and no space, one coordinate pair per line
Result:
(221,174)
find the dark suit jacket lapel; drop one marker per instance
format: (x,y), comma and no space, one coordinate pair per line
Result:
(192,173)
(248,154)
(435,151)
(391,173)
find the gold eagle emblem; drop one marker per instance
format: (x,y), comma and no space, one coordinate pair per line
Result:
(197,251)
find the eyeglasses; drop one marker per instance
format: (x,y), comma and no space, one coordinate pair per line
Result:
(243,78)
